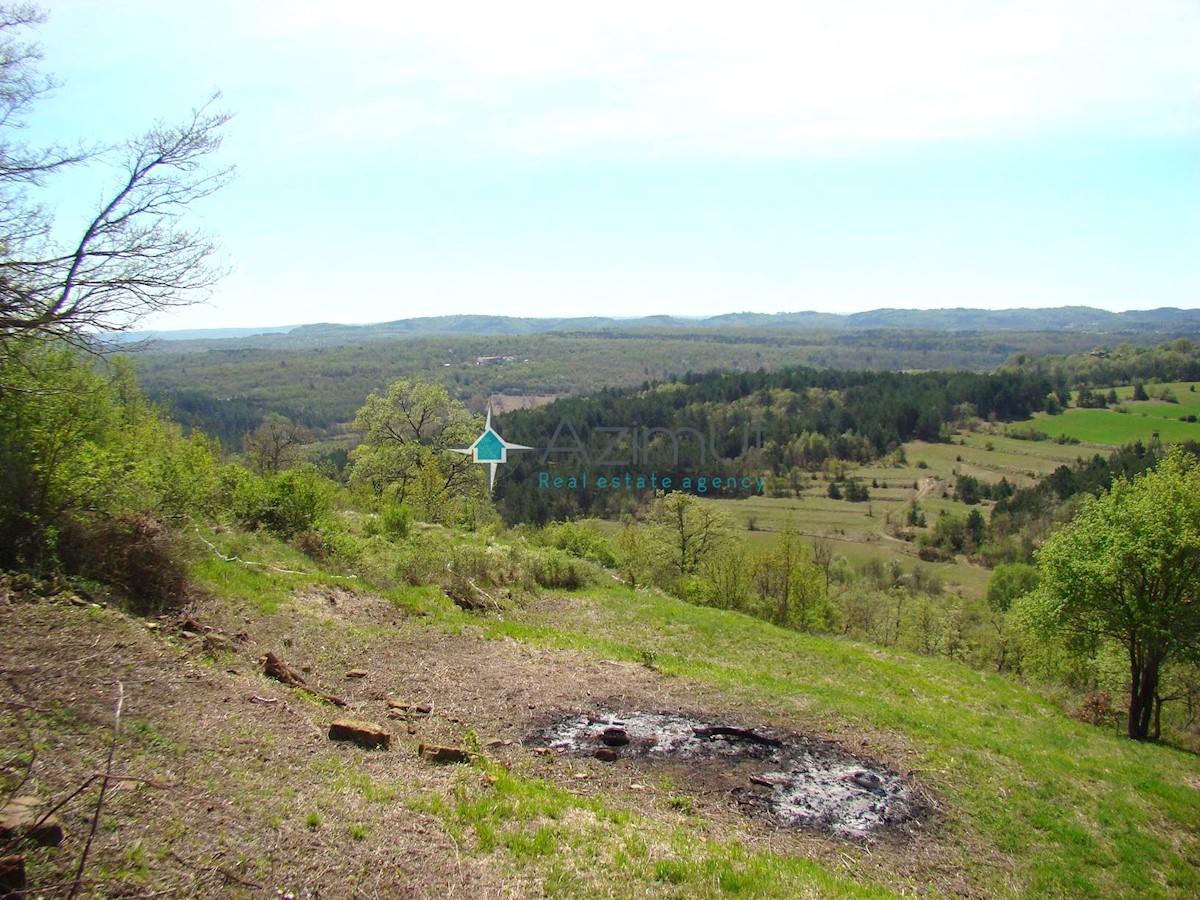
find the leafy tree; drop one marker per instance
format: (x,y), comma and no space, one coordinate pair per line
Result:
(1008,582)
(975,528)
(692,529)
(79,442)
(1126,569)
(636,554)
(133,257)
(407,435)
(791,584)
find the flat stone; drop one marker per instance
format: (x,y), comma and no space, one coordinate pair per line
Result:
(435,754)
(357,673)
(21,818)
(365,734)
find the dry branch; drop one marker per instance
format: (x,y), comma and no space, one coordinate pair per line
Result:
(274,667)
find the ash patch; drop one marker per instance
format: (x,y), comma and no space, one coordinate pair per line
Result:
(789,779)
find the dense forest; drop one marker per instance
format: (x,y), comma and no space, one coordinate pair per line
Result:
(736,424)
(227,387)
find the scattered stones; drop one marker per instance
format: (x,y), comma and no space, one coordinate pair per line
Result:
(25,817)
(357,673)
(404,709)
(443,755)
(365,734)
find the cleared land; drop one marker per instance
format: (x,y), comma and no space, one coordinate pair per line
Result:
(236,791)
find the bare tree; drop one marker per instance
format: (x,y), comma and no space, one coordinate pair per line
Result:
(274,444)
(133,256)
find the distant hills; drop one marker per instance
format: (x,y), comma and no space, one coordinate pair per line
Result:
(1077,319)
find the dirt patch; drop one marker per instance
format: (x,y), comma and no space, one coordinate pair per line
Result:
(792,780)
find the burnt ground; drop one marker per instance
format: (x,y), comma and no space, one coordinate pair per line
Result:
(233,789)
(789,779)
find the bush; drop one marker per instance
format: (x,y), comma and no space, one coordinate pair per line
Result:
(286,504)
(582,539)
(396,520)
(136,553)
(553,569)
(1097,709)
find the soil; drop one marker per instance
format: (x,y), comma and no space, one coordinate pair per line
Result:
(230,787)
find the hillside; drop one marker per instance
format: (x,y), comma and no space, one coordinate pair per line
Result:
(1068,318)
(231,787)
(226,387)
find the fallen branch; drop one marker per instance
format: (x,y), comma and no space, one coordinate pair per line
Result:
(729,731)
(112,751)
(274,667)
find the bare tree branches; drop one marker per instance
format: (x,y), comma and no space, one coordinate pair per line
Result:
(134,256)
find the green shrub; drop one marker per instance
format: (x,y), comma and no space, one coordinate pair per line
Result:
(551,568)
(582,539)
(286,504)
(396,520)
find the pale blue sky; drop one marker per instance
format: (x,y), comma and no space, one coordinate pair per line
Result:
(554,158)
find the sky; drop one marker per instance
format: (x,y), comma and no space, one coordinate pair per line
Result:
(624,159)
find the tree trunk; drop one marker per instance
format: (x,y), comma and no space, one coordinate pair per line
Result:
(1143,686)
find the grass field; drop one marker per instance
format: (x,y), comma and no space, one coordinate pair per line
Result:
(1038,805)
(1110,428)
(1029,802)
(858,530)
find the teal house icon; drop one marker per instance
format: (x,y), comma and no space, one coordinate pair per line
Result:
(490,449)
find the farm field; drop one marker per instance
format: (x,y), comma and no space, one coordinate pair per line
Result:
(857,531)
(1110,428)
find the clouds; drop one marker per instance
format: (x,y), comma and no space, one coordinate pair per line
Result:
(755,80)
(398,158)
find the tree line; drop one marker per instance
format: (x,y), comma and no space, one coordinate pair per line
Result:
(730,424)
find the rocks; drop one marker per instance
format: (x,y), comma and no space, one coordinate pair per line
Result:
(402,709)
(870,781)
(23,817)
(615,737)
(605,754)
(365,734)
(357,673)
(442,755)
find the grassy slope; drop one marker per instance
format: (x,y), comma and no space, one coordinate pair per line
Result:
(1072,810)
(1030,803)
(1110,428)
